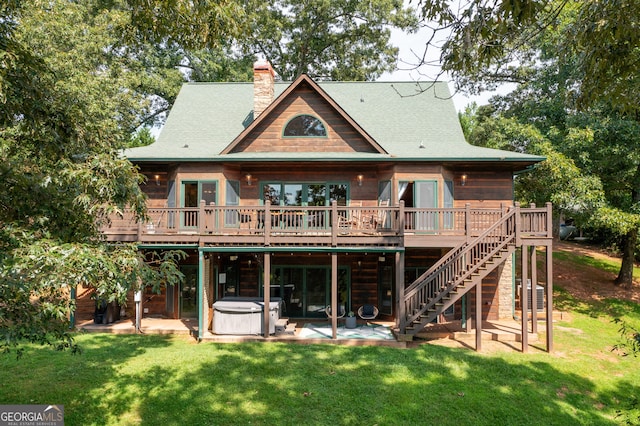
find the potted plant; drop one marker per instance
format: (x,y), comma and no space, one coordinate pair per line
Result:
(350,321)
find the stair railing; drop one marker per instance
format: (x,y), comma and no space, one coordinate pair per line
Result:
(457,266)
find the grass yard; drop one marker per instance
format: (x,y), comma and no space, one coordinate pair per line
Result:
(129,379)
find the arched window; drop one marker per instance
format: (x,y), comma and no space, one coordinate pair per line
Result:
(304,126)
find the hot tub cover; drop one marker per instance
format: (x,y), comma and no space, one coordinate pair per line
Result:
(245,304)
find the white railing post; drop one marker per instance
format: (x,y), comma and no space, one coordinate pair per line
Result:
(267,222)
(549,220)
(334,223)
(401,219)
(201,218)
(518,224)
(467,221)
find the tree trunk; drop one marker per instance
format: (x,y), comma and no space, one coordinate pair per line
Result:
(625,276)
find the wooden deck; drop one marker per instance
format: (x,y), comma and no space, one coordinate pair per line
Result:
(331,226)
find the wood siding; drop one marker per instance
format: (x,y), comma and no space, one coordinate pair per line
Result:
(484,189)
(341,136)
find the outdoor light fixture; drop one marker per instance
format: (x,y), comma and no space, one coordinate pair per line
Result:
(157,178)
(463,179)
(248,178)
(359,179)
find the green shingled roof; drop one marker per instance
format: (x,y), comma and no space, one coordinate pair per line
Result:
(410,121)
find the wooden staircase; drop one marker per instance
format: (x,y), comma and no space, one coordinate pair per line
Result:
(455,274)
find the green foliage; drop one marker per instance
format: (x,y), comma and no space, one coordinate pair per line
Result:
(142,137)
(608,68)
(557,179)
(329,40)
(68,108)
(630,339)
(579,95)
(487,43)
(187,23)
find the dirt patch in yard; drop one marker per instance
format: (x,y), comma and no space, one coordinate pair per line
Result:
(587,283)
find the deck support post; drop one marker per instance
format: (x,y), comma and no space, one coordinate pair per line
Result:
(201,305)
(267,292)
(549,277)
(469,322)
(523,298)
(479,316)
(549,293)
(334,295)
(401,320)
(534,292)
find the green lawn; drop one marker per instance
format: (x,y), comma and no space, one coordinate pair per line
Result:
(160,380)
(609,265)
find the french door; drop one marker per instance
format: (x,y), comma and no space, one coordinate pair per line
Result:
(191,194)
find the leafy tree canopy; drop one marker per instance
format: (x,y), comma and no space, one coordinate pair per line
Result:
(65,116)
(328,39)
(485,43)
(580,99)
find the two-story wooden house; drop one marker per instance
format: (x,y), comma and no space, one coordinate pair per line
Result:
(332,194)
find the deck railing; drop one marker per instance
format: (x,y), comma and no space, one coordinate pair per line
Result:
(334,219)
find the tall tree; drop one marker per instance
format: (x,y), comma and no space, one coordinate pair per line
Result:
(328,39)
(558,179)
(485,42)
(548,48)
(65,116)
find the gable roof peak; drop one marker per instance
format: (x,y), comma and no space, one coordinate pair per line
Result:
(298,82)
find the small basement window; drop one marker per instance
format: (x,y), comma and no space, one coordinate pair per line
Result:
(304,126)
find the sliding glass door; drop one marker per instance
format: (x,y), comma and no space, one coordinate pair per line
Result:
(306,290)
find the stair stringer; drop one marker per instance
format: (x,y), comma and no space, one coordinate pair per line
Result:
(456,273)
(447,299)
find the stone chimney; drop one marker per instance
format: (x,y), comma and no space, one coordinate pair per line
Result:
(263,86)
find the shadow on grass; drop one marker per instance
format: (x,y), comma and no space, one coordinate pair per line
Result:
(612,308)
(46,376)
(296,385)
(162,380)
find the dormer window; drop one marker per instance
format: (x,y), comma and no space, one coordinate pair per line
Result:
(304,126)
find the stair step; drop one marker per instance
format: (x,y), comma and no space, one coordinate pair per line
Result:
(281,325)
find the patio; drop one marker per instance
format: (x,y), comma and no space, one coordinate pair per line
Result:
(361,331)
(374,333)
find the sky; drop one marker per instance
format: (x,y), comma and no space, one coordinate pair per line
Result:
(412,48)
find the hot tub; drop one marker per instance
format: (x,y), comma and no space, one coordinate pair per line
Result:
(244,315)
